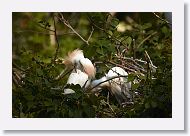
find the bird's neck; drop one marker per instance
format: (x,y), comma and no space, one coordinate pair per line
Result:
(98,81)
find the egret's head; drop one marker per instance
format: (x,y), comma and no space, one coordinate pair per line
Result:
(73,58)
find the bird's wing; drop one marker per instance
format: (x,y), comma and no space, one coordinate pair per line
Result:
(118,86)
(116,71)
(77,77)
(116,91)
(121,93)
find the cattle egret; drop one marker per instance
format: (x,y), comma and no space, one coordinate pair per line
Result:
(116,82)
(83,70)
(76,60)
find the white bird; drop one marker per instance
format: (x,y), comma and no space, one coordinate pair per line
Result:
(83,70)
(116,82)
(77,77)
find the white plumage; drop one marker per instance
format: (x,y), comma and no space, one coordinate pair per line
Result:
(77,77)
(83,70)
(117,86)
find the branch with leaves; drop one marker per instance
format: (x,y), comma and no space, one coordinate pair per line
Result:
(164,20)
(66,23)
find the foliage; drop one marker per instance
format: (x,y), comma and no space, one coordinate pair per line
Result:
(113,37)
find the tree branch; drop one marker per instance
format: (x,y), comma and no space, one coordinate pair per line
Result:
(90,34)
(55,32)
(162,18)
(61,75)
(105,31)
(146,39)
(131,63)
(131,70)
(66,23)
(107,102)
(150,61)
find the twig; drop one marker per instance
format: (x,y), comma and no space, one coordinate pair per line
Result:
(133,66)
(133,61)
(55,32)
(61,75)
(15,65)
(152,65)
(149,60)
(121,66)
(105,31)
(110,105)
(141,61)
(90,34)
(146,39)
(15,81)
(162,18)
(108,97)
(62,19)
(17,77)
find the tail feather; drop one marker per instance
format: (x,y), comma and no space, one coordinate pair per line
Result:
(121,93)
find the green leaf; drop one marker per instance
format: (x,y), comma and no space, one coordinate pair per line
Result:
(130,77)
(128,41)
(110,33)
(164,30)
(146,26)
(114,22)
(47,103)
(135,86)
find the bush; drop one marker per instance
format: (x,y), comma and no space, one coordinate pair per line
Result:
(108,40)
